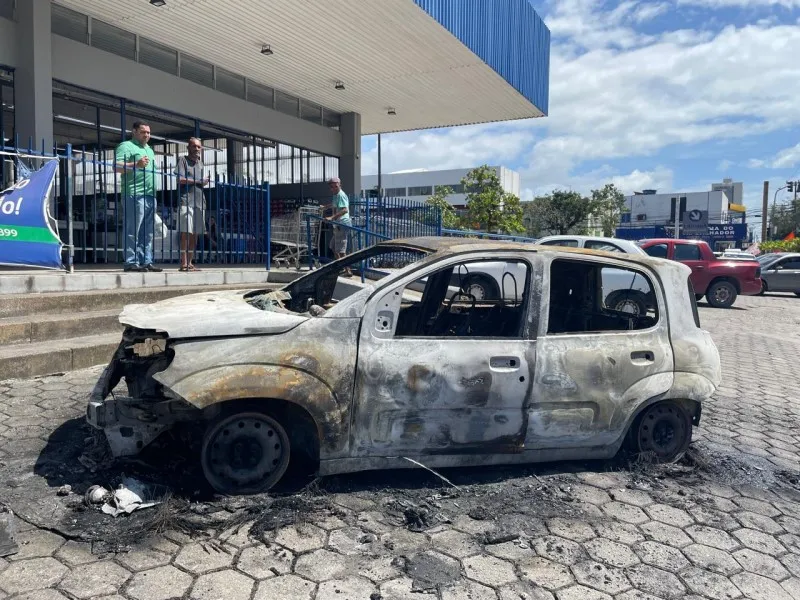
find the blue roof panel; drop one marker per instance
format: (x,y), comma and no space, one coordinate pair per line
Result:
(508,35)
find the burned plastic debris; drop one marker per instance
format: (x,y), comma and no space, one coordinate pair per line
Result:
(129,496)
(8,545)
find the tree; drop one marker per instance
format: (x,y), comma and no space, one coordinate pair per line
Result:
(560,212)
(609,204)
(489,207)
(439,200)
(783,219)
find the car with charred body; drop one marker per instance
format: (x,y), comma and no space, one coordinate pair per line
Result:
(367,374)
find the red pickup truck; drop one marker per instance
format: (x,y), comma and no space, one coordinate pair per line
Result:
(720,281)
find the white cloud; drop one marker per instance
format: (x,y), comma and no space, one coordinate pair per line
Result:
(784,159)
(636,180)
(649,11)
(618,94)
(448,148)
(741,3)
(724,165)
(787,158)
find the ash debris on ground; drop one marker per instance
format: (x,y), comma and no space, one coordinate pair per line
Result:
(507,504)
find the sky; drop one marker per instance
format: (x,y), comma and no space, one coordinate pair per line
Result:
(671,95)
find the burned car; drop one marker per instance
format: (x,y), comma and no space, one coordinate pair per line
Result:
(399,366)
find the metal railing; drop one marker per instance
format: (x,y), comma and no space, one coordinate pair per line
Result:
(396,217)
(91,204)
(91,207)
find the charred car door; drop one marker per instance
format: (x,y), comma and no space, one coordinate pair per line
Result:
(595,365)
(441,371)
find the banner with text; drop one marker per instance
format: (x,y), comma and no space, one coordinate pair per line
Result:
(27,235)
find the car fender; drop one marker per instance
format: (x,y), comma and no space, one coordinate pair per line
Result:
(228,383)
(690,386)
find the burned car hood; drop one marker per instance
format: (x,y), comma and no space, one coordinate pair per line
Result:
(208,314)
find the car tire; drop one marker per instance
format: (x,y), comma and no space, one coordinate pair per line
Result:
(662,432)
(482,287)
(632,302)
(245,453)
(721,294)
(797,294)
(763,288)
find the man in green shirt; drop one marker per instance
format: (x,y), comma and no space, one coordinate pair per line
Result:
(136,161)
(340,215)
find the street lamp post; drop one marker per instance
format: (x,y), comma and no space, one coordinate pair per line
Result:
(774,201)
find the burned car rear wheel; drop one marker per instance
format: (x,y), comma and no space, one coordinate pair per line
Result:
(245,453)
(662,431)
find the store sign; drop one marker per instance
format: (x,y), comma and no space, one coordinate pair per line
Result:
(727,233)
(695,222)
(27,234)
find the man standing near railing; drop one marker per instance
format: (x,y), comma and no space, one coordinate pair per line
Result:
(191,180)
(340,207)
(136,161)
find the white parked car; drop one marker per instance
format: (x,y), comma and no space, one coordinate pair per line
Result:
(589,242)
(504,280)
(622,292)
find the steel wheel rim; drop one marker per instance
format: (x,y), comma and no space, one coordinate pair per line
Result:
(722,294)
(245,452)
(477,290)
(624,305)
(662,430)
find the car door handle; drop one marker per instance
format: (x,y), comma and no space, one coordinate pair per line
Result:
(642,357)
(504,363)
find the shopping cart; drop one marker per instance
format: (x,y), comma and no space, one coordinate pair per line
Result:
(289,236)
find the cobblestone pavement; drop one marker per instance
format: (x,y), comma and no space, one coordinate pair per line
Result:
(724,526)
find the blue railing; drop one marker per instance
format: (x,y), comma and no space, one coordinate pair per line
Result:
(242,223)
(90,210)
(396,217)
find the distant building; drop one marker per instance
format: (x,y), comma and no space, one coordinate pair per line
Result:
(420,184)
(650,214)
(735,192)
(649,208)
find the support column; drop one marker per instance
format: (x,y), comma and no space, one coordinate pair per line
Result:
(33,78)
(235,151)
(350,159)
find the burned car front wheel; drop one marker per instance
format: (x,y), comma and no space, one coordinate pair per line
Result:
(245,453)
(662,432)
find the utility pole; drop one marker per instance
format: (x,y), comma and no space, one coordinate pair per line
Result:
(764,208)
(380,184)
(677,219)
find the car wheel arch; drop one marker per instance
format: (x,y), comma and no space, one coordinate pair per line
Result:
(230,386)
(732,280)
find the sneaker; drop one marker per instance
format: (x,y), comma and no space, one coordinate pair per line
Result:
(135,268)
(152,268)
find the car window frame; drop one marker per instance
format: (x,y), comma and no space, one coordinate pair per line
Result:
(657,245)
(642,270)
(529,325)
(600,244)
(562,243)
(678,247)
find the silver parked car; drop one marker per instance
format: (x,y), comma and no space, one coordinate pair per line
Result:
(365,375)
(781,273)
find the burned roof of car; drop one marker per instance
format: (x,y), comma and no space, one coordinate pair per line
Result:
(458,245)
